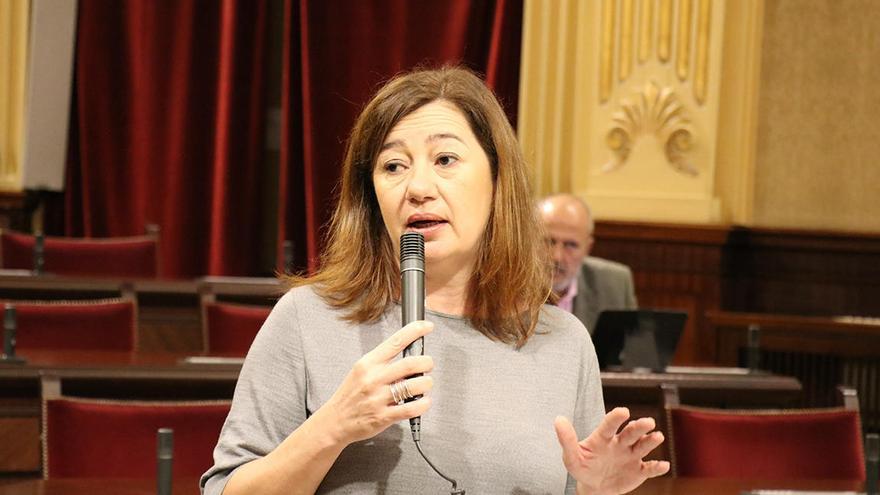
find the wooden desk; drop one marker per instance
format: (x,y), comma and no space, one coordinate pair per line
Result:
(698,486)
(189,486)
(809,334)
(185,486)
(169,316)
(147,376)
(109,368)
(640,392)
(23,283)
(821,352)
(121,375)
(106,374)
(721,388)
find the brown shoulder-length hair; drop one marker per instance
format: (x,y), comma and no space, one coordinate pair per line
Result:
(359,271)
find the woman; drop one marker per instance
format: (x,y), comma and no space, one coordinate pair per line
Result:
(317,406)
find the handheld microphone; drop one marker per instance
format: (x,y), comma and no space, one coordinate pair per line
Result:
(412,297)
(412,307)
(412,282)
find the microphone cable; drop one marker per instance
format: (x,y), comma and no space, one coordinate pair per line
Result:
(412,305)
(455,490)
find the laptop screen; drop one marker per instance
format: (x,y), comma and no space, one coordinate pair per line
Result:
(643,338)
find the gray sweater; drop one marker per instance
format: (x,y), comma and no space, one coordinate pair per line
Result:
(490,425)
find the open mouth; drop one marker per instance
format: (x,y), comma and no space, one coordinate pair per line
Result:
(424,224)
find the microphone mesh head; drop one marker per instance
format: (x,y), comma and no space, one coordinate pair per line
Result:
(165,441)
(412,246)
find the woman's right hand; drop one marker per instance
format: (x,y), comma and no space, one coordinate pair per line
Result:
(362,406)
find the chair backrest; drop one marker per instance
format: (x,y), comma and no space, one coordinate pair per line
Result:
(93,438)
(105,324)
(230,328)
(765,444)
(130,257)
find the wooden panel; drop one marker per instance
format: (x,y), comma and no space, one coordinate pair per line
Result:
(20,448)
(16,209)
(169,323)
(674,267)
(758,270)
(803,272)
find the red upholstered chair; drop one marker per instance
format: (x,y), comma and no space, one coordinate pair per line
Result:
(105,324)
(766,444)
(129,257)
(230,328)
(93,438)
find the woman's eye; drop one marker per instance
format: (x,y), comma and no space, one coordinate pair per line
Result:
(446,160)
(392,167)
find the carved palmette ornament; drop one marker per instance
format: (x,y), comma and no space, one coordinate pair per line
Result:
(656,111)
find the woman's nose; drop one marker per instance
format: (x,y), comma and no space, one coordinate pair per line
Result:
(422,183)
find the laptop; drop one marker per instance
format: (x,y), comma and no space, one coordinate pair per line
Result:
(640,339)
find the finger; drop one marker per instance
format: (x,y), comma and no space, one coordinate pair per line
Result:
(611,422)
(635,430)
(394,345)
(652,469)
(417,386)
(412,409)
(568,439)
(647,443)
(408,366)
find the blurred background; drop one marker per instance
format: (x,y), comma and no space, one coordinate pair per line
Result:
(728,149)
(223,122)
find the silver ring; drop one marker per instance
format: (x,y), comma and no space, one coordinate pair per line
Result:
(396,393)
(406,393)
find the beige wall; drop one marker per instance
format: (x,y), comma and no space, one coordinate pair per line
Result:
(628,103)
(817,162)
(786,134)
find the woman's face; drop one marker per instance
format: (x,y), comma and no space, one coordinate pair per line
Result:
(432,176)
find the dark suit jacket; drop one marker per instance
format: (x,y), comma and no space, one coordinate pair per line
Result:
(602,284)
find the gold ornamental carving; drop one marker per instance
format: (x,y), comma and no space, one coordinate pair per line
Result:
(647,108)
(654,111)
(681,42)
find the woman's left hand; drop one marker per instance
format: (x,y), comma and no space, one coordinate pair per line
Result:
(608,462)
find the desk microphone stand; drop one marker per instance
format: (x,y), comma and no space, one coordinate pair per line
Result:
(164,460)
(9,327)
(753,349)
(39,253)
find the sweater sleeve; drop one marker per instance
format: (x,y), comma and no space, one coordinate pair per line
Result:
(270,396)
(590,405)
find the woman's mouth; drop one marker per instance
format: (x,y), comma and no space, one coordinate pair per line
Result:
(425,226)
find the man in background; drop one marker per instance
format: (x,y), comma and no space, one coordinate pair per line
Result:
(586,285)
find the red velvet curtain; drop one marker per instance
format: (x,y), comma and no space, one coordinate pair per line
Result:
(336,54)
(167,128)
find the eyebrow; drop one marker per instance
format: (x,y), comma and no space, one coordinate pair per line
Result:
(432,138)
